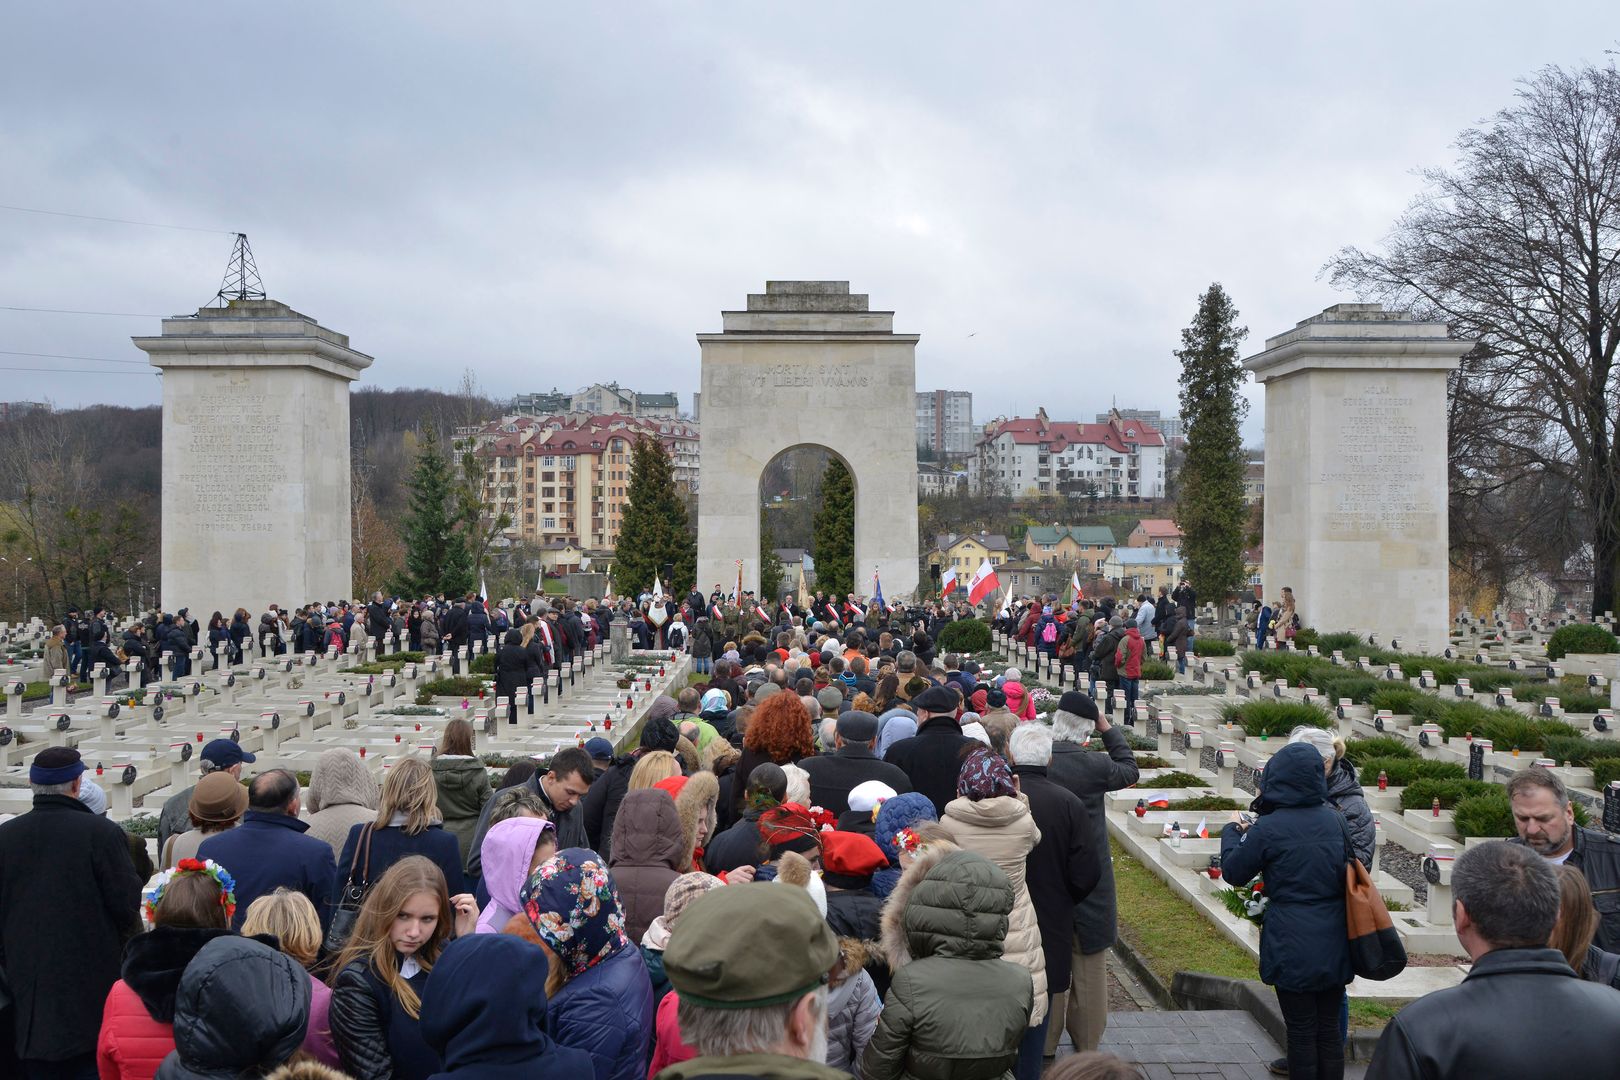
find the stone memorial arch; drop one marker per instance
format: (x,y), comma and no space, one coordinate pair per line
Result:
(807,364)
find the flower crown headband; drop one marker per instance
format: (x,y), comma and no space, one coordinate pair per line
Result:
(152,896)
(907,842)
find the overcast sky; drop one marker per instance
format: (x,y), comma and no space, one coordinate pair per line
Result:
(557,194)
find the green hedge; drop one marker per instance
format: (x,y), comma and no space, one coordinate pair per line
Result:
(392,660)
(1274,718)
(1208,803)
(1578,750)
(1175,780)
(1406,771)
(464,686)
(1348,683)
(1507,729)
(964,635)
(1605,772)
(1382,746)
(1213,647)
(1340,641)
(1157,670)
(1399,700)
(1580,638)
(482,664)
(1420,794)
(1490,813)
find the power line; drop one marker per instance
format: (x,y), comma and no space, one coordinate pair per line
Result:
(63,356)
(115,221)
(71,311)
(76,371)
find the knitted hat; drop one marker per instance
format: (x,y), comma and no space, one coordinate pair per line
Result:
(92,796)
(55,765)
(900,812)
(682,891)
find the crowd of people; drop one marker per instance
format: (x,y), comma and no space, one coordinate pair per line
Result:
(840,852)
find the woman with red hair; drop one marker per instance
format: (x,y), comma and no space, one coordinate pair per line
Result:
(778,732)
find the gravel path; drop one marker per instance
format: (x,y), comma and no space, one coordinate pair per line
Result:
(1405,867)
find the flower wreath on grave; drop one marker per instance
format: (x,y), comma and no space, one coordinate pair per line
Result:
(1247,901)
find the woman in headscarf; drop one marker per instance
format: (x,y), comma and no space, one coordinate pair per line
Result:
(991,816)
(601,997)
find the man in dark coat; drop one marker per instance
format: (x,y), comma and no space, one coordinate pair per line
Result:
(1061,870)
(833,775)
(561,788)
(69,899)
(932,758)
(1505,903)
(269,849)
(220,755)
(477,625)
(378,622)
(1546,823)
(1089,775)
(453,633)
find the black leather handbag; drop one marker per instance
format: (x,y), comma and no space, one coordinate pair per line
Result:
(347,911)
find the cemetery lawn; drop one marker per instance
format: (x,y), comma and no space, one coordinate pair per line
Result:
(1172,935)
(556,587)
(35,691)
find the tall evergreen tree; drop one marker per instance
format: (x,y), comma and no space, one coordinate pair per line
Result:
(833,536)
(654,529)
(436,556)
(1209,508)
(770,567)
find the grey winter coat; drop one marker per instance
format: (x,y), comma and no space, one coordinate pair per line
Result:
(1344,795)
(852,1015)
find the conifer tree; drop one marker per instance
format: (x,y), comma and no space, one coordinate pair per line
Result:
(1210,509)
(770,567)
(833,531)
(436,556)
(654,529)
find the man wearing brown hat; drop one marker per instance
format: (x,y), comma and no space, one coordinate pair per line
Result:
(759,1011)
(69,898)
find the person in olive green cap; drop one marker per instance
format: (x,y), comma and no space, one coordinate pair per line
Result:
(751,963)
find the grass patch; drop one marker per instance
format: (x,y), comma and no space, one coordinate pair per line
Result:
(40,691)
(1368,1015)
(1170,933)
(1143,761)
(555,586)
(392,660)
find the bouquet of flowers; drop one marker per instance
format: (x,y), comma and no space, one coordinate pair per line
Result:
(1247,901)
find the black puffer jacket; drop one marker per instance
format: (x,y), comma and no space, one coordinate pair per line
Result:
(242,1007)
(1344,795)
(375,1038)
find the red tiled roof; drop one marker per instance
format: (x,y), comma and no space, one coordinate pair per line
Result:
(1158,527)
(1060,435)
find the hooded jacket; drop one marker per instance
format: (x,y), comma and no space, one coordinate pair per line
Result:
(1297,846)
(699,799)
(507,851)
(1003,830)
(484,1012)
(241,1005)
(341,795)
(1344,795)
(137,1023)
(1019,703)
(955,1007)
(647,856)
(463,785)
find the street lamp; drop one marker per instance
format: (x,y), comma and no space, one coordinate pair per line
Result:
(19,587)
(129,581)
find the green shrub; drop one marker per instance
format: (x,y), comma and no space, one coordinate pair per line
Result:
(1397,699)
(394,661)
(483,664)
(1348,683)
(1487,814)
(1420,794)
(1580,638)
(1272,718)
(1175,780)
(1207,802)
(1296,668)
(1143,761)
(1213,647)
(1578,750)
(1340,641)
(1507,729)
(464,686)
(1605,772)
(1158,670)
(1381,746)
(1405,771)
(964,635)
(1490,680)
(1582,702)
(144,826)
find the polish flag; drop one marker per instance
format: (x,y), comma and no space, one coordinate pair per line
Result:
(1159,802)
(983,583)
(947,581)
(759,609)
(1203,828)
(1074,583)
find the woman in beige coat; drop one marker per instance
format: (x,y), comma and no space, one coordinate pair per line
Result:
(991,817)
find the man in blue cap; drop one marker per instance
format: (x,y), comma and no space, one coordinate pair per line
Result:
(69,899)
(220,755)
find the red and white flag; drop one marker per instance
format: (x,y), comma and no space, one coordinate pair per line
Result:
(1159,802)
(983,583)
(759,609)
(947,581)
(1203,828)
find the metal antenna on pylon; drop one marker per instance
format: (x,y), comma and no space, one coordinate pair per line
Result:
(242,281)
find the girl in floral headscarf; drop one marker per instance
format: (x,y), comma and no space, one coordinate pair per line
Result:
(991,817)
(601,997)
